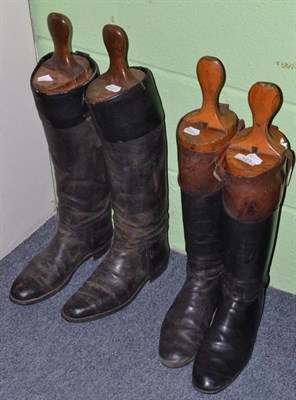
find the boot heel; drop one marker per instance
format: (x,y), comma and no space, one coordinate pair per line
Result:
(101,251)
(160,270)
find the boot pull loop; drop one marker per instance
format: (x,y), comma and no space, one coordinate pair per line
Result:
(290,157)
(217,173)
(211,76)
(116,43)
(220,159)
(60,29)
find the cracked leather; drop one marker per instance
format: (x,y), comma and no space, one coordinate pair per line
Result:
(85,227)
(254,198)
(229,343)
(137,172)
(196,168)
(189,317)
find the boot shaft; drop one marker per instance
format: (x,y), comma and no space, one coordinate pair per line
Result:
(131,127)
(81,182)
(202,221)
(137,172)
(132,130)
(248,250)
(129,115)
(76,153)
(63,110)
(252,208)
(248,198)
(254,170)
(202,137)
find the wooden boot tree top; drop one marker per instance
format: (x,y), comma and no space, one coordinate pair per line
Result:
(63,71)
(261,146)
(119,76)
(213,125)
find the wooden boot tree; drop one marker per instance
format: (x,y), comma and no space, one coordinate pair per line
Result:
(119,77)
(63,71)
(261,146)
(213,125)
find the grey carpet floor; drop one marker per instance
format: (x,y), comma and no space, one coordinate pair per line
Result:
(42,357)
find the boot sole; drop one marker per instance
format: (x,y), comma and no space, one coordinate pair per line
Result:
(152,278)
(95,255)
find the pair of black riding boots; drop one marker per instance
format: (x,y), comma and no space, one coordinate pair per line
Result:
(108,154)
(216,315)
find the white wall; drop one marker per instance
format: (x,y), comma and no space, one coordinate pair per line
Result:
(26,189)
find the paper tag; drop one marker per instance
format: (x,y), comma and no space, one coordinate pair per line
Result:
(192,131)
(45,78)
(251,159)
(217,176)
(113,88)
(283,143)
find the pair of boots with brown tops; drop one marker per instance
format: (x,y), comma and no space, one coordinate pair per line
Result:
(107,141)
(232,186)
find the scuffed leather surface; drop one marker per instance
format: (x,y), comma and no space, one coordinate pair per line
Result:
(139,251)
(50,269)
(137,172)
(85,226)
(82,185)
(196,168)
(229,343)
(116,281)
(67,109)
(131,114)
(196,171)
(189,317)
(255,198)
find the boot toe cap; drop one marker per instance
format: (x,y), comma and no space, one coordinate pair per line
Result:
(78,309)
(73,313)
(210,374)
(25,291)
(177,346)
(174,359)
(206,383)
(174,351)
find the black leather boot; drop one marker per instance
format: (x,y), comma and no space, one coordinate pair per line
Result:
(252,196)
(85,227)
(190,315)
(132,130)
(229,344)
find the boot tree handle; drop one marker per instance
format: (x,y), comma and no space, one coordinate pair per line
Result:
(211,75)
(265,100)
(60,29)
(116,43)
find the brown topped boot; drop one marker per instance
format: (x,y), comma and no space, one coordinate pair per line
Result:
(202,136)
(254,170)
